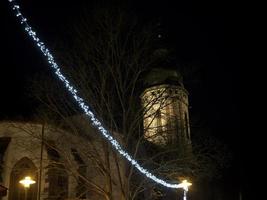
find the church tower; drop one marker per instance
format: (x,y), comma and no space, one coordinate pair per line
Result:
(165,104)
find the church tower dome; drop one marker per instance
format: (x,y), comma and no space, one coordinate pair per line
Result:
(165,104)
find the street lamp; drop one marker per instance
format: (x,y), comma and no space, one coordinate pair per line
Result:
(185,184)
(26,182)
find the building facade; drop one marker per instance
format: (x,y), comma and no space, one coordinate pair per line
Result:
(63,166)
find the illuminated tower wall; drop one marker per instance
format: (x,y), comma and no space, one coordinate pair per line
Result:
(165,103)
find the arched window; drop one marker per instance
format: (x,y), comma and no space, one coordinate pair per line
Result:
(58,182)
(24,167)
(4,141)
(81,189)
(57,175)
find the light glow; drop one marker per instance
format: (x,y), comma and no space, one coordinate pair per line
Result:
(95,122)
(185,184)
(27,181)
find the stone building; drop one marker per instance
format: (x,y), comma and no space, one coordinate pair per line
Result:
(58,165)
(53,157)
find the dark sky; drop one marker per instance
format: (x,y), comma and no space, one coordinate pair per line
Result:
(204,33)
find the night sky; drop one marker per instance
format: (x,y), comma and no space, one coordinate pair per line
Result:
(204,33)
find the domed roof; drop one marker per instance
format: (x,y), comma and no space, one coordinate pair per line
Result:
(158,76)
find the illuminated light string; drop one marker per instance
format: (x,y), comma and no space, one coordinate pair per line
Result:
(80,100)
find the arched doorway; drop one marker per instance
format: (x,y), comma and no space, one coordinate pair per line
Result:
(24,167)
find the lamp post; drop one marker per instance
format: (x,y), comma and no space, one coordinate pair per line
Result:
(185,184)
(26,182)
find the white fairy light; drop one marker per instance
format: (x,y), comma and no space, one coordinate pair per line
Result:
(81,102)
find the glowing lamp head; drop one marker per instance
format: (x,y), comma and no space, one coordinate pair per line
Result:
(185,184)
(27,181)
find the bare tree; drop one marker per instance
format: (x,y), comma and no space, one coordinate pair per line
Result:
(106,61)
(107,55)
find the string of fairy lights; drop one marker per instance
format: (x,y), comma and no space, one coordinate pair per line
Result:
(95,122)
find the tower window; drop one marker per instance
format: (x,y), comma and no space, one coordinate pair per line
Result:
(158,120)
(186,126)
